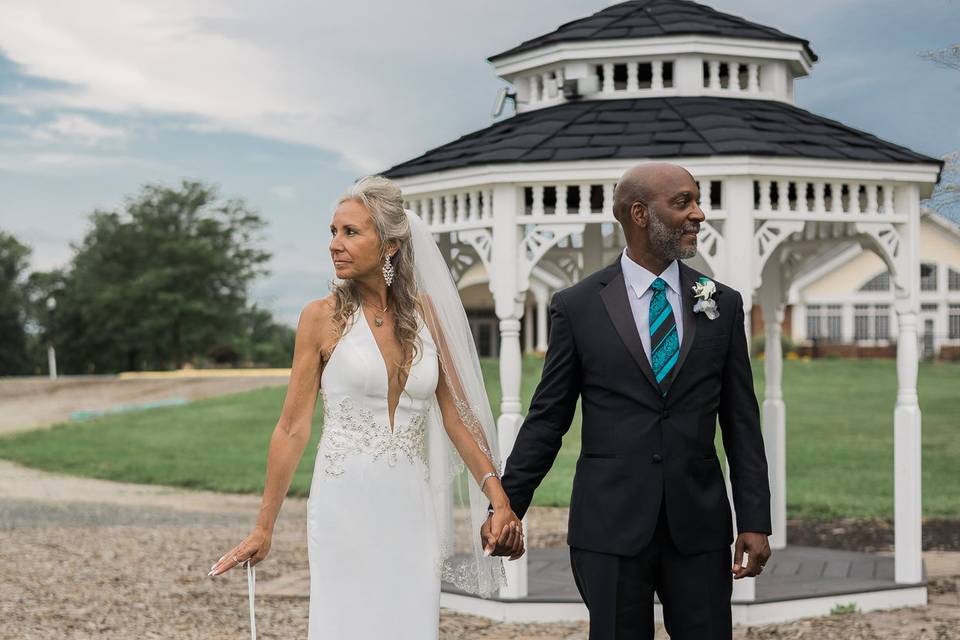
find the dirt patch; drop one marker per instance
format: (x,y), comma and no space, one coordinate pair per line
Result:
(870,535)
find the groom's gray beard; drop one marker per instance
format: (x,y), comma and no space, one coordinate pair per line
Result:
(665,242)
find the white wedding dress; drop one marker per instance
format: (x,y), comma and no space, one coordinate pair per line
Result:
(371,526)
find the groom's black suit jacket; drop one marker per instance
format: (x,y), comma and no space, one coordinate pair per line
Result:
(639,447)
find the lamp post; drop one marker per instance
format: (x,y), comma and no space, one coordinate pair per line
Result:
(51,353)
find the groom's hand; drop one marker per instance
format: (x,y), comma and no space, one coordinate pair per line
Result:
(757,548)
(509,542)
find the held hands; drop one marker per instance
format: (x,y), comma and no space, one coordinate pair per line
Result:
(757,548)
(254,548)
(502,534)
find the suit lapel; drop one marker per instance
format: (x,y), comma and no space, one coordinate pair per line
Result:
(614,296)
(689,320)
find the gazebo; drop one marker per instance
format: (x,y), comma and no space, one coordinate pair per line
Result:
(524,208)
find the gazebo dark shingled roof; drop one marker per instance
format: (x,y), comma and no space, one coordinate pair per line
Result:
(657,128)
(653,18)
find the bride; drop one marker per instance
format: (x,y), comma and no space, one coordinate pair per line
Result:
(390,513)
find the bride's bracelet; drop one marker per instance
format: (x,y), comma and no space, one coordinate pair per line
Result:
(487,476)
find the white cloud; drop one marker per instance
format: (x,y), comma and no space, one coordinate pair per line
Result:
(27,161)
(374,81)
(77,128)
(285,191)
(359,78)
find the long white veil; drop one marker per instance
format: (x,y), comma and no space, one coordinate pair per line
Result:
(461,506)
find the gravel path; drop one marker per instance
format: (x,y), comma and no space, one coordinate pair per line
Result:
(84,558)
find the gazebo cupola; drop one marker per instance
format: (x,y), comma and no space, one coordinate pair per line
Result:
(524,206)
(654,48)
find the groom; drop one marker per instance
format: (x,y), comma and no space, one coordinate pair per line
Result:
(654,370)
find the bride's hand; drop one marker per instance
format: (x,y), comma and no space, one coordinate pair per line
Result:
(509,542)
(255,548)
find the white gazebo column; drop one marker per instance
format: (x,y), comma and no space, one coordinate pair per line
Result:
(908,509)
(541,327)
(592,248)
(528,328)
(775,422)
(509,307)
(739,273)
(848,328)
(542,298)
(738,234)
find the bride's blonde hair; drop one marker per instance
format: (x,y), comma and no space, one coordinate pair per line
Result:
(383,199)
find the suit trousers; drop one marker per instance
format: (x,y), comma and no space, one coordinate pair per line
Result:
(694,590)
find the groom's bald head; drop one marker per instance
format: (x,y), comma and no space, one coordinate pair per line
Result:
(644,183)
(656,203)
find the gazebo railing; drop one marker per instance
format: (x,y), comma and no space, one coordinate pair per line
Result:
(576,201)
(778,196)
(454,210)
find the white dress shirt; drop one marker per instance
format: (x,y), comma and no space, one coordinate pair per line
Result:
(638,281)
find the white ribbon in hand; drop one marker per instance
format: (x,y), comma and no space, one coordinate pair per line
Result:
(251,594)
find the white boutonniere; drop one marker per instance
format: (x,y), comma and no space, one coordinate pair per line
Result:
(703,292)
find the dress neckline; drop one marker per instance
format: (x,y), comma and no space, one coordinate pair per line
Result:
(391,414)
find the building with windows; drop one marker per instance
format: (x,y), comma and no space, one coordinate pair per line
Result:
(845,306)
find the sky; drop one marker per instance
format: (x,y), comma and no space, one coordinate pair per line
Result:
(284,104)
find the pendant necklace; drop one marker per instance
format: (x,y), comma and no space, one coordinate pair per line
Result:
(377,318)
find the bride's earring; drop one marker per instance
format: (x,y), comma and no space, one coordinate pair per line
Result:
(388,271)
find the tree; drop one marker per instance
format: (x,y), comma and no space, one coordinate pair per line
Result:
(14,346)
(946,195)
(948,57)
(268,343)
(158,283)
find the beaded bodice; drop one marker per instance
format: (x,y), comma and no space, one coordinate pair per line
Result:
(355,410)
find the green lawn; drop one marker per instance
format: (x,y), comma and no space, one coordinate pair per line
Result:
(839,440)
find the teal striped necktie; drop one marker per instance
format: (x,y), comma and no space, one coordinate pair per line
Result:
(664,344)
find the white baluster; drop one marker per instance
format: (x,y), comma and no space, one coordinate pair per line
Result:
(706,191)
(855,204)
(608,86)
(836,197)
(818,190)
(802,197)
(437,210)
(872,198)
(561,200)
(733,68)
(753,77)
(608,198)
(488,204)
(656,81)
(447,209)
(584,200)
(783,195)
(461,212)
(714,74)
(765,205)
(537,209)
(633,76)
(888,199)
